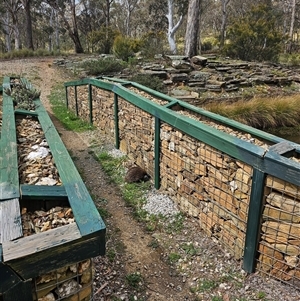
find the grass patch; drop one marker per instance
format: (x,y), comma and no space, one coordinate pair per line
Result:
(262,113)
(25,53)
(132,193)
(112,166)
(69,120)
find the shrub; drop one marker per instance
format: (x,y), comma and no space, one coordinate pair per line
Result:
(102,66)
(101,40)
(152,82)
(125,47)
(255,36)
(208,43)
(152,43)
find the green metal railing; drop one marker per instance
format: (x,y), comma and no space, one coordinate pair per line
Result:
(263,162)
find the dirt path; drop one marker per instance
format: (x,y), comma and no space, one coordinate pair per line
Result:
(126,239)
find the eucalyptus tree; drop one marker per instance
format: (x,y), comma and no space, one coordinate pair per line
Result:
(174,23)
(10,21)
(167,16)
(67,10)
(224,4)
(6,29)
(130,6)
(28,23)
(192,35)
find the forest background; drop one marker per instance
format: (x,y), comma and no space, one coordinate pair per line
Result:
(243,29)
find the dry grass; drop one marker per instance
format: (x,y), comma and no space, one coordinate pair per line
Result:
(262,113)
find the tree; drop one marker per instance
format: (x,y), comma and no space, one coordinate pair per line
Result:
(61,7)
(106,11)
(28,21)
(12,7)
(130,5)
(292,24)
(171,27)
(255,36)
(192,35)
(224,21)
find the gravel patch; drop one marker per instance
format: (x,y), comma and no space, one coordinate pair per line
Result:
(160,204)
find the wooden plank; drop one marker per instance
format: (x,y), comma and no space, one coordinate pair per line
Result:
(25,112)
(8,278)
(39,242)
(43,192)
(282,168)
(59,256)
(22,289)
(10,220)
(86,214)
(9,178)
(282,148)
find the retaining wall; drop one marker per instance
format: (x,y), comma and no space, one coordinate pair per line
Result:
(242,184)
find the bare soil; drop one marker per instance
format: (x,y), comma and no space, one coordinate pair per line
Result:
(138,264)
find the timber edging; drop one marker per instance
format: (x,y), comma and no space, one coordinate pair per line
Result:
(24,258)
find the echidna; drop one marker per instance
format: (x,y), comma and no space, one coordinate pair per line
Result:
(136,174)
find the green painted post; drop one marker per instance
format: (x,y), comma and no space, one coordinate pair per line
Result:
(76,101)
(67,97)
(91,103)
(116,116)
(254,220)
(157,153)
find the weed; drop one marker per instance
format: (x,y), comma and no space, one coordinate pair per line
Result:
(261,295)
(217,298)
(173,257)
(153,244)
(189,249)
(176,225)
(262,113)
(111,254)
(206,285)
(111,166)
(134,280)
(103,212)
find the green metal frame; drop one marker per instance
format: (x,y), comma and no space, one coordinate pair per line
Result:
(263,162)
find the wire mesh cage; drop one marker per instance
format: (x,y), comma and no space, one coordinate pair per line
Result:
(136,135)
(207,184)
(102,110)
(70,283)
(279,247)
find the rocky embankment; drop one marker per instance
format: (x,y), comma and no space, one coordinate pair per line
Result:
(202,79)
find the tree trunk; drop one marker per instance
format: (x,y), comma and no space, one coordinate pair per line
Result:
(192,34)
(57,41)
(107,45)
(28,25)
(291,32)
(172,29)
(224,21)
(17,35)
(6,31)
